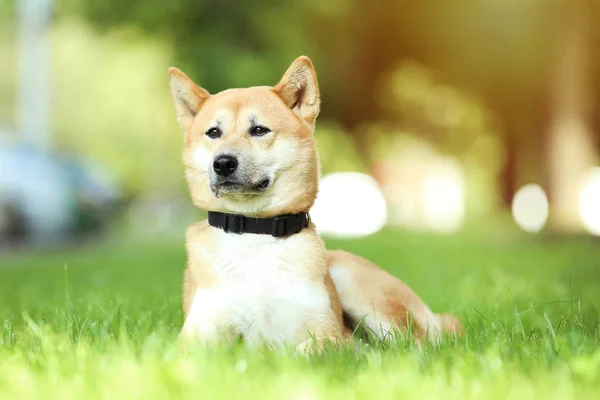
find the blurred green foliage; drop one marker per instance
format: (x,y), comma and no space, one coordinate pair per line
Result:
(477,85)
(221,43)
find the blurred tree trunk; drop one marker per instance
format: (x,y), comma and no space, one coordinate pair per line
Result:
(524,126)
(508,175)
(570,145)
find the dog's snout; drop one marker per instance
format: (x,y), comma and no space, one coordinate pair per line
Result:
(225,165)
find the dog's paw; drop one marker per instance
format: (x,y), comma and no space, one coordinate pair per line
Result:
(315,346)
(450,324)
(307,348)
(186,341)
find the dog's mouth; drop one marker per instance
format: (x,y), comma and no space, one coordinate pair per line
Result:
(230,187)
(262,185)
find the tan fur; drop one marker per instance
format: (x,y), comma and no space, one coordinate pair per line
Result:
(284,290)
(380,301)
(336,305)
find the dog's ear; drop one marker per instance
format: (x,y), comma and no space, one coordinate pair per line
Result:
(299,89)
(187,97)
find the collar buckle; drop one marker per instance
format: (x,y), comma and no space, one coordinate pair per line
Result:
(234,224)
(279,225)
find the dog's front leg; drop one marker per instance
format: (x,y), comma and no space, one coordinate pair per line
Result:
(208,320)
(323,329)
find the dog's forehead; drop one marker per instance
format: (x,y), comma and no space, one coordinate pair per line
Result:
(259,99)
(239,109)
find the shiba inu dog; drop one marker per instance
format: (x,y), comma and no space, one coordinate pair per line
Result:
(257,267)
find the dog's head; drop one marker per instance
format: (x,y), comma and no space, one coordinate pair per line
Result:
(251,151)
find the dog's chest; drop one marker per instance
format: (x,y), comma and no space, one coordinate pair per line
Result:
(265,286)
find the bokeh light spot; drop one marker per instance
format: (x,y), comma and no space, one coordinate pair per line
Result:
(530,208)
(349,204)
(589,202)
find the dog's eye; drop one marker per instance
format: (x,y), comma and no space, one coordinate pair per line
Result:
(214,133)
(259,130)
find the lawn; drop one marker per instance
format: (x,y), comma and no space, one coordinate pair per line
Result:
(102,322)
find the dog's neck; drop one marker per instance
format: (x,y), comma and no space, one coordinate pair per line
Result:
(279,226)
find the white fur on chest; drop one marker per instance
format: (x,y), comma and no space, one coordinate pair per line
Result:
(252,257)
(265,292)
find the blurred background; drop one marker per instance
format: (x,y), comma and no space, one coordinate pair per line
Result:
(436,116)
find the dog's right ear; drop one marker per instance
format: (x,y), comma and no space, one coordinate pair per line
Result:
(187,97)
(299,89)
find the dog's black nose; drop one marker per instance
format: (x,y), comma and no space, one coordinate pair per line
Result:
(225,165)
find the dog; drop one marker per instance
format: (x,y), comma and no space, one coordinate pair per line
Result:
(257,267)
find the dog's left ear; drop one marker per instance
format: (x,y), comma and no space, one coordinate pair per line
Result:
(299,89)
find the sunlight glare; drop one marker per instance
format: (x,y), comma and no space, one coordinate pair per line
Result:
(444,201)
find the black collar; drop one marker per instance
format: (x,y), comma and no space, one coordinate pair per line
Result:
(282,225)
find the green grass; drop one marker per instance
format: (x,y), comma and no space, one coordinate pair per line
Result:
(102,322)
